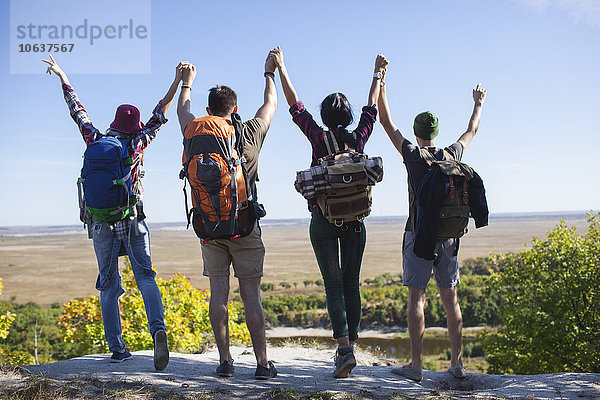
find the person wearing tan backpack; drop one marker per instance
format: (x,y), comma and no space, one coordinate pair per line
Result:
(338,247)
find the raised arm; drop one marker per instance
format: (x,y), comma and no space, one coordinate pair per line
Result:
(54,68)
(286,84)
(88,131)
(380,63)
(385,116)
(184,105)
(478,97)
(168,99)
(266,111)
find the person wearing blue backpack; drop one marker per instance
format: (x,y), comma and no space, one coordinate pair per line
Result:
(112,205)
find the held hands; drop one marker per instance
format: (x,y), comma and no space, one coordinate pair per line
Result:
(381,64)
(479,94)
(188,73)
(270,65)
(277,56)
(178,71)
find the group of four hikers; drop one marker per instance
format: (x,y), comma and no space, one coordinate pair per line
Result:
(338,245)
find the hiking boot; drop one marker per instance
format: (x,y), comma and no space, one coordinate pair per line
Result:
(344,362)
(225,369)
(458,372)
(161,350)
(120,356)
(265,373)
(416,374)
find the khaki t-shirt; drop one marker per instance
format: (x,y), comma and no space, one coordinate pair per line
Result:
(255,131)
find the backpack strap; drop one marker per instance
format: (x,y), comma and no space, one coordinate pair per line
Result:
(430,159)
(427,156)
(331,143)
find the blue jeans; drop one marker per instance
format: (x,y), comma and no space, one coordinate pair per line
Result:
(137,246)
(340,277)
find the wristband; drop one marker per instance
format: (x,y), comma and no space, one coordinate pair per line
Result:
(186,87)
(269,73)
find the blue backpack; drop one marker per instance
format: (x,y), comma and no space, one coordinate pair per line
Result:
(106,181)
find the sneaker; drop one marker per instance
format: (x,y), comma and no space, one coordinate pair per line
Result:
(344,364)
(458,372)
(225,369)
(416,374)
(265,373)
(161,350)
(120,356)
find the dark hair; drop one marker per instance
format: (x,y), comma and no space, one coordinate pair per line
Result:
(336,110)
(221,100)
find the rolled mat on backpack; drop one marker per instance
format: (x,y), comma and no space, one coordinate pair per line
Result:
(316,180)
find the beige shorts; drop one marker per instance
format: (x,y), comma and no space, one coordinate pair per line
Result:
(247,254)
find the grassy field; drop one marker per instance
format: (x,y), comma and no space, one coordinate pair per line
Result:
(47,269)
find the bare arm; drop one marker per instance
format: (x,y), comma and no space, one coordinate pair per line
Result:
(380,63)
(54,68)
(385,118)
(286,84)
(168,99)
(184,105)
(478,97)
(266,111)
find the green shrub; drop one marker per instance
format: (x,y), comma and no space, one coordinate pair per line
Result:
(186,316)
(550,305)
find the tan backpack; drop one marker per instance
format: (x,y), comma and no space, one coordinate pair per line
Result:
(345,170)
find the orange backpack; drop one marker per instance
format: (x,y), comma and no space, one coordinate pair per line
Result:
(214,165)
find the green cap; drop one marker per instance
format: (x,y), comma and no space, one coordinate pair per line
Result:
(426,125)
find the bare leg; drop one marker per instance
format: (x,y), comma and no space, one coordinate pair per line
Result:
(255,317)
(219,317)
(454,317)
(416,324)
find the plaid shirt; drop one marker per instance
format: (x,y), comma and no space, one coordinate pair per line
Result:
(314,133)
(135,144)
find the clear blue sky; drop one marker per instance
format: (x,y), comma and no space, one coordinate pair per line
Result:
(537,147)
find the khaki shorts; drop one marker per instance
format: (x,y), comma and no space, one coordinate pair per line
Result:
(416,271)
(247,254)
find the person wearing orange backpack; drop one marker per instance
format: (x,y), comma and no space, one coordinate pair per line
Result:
(120,230)
(221,165)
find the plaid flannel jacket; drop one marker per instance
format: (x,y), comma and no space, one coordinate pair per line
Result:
(135,144)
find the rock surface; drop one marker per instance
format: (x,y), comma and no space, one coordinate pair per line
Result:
(310,370)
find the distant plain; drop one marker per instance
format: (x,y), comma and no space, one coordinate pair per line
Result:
(56,268)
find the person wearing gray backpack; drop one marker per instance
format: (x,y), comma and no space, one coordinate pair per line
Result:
(417,271)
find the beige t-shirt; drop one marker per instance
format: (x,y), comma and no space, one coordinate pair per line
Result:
(255,131)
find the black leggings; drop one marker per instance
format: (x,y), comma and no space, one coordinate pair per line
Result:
(341,279)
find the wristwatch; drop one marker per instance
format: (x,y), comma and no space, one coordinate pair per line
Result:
(377,75)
